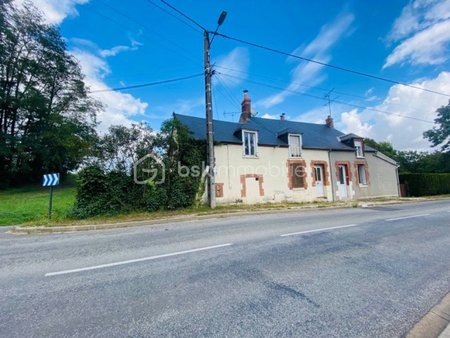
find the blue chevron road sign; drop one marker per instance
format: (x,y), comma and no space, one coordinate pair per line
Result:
(50,180)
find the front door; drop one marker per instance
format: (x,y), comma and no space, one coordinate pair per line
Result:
(252,190)
(318,175)
(342,184)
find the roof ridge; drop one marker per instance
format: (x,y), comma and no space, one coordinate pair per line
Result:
(257,118)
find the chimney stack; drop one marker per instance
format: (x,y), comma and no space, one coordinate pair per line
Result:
(283,117)
(246,108)
(329,122)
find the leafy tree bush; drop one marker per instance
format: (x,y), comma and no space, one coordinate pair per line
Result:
(426,184)
(107,185)
(440,135)
(47,118)
(414,161)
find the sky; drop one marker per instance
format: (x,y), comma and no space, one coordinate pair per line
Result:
(122,43)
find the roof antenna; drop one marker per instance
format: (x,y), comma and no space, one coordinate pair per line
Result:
(228,113)
(327,96)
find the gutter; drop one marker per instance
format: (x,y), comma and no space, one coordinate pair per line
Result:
(331,176)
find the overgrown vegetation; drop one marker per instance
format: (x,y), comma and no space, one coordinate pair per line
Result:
(426,184)
(440,134)
(108,187)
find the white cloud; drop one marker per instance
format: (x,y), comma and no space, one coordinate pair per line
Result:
(55,11)
(235,63)
(118,107)
(369,95)
(134,45)
(318,49)
(270,116)
(402,132)
(353,124)
(429,46)
(317,114)
(423,33)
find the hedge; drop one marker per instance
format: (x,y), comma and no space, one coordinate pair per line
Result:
(426,184)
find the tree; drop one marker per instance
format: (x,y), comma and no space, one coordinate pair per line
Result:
(414,161)
(440,134)
(121,146)
(384,147)
(47,118)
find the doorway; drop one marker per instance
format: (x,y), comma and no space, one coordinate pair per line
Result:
(343,181)
(318,178)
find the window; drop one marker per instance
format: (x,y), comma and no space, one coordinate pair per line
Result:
(298,175)
(362,174)
(249,142)
(359,148)
(295,145)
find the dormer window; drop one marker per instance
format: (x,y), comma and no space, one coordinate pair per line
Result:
(249,143)
(359,148)
(295,145)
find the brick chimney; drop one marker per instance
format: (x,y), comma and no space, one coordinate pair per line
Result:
(329,122)
(283,117)
(246,108)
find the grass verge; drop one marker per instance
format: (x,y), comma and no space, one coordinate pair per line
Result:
(29,207)
(30,204)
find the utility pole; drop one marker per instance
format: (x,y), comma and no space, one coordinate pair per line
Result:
(209,122)
(209,112)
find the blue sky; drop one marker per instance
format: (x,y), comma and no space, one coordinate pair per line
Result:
(122,43)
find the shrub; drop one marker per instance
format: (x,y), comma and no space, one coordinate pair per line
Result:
(104,192)
(426,184)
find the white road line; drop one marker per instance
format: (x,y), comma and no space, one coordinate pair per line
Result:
(406,217)
(136,260)
(319,230)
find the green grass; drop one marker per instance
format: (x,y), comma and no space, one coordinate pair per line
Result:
(30,204)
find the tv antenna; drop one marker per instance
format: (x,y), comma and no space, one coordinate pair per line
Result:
(229,113)
(327,96)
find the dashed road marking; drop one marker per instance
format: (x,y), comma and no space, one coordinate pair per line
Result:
(64,272)
(406,217)
(319,230)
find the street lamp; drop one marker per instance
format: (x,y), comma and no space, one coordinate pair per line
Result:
(209,112)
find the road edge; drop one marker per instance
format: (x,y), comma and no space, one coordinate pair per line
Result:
(158,221)
(29,230)
(433,324)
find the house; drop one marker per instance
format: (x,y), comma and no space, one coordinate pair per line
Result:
(265,160)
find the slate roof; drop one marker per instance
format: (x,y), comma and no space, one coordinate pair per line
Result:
(314,136)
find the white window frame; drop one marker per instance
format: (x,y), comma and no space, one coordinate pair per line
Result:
(244,140)
(359,148)
(291,152)
(362,183)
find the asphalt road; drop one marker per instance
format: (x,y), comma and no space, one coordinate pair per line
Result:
(374,273)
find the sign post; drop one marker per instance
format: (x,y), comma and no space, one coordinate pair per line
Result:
(50,180)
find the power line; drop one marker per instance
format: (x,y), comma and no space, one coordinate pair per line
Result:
(148,84)
(184,15)
(348,70)
(232,98)
(324,99)
(163,39)
(296,83)
(325,90)
(172,15)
